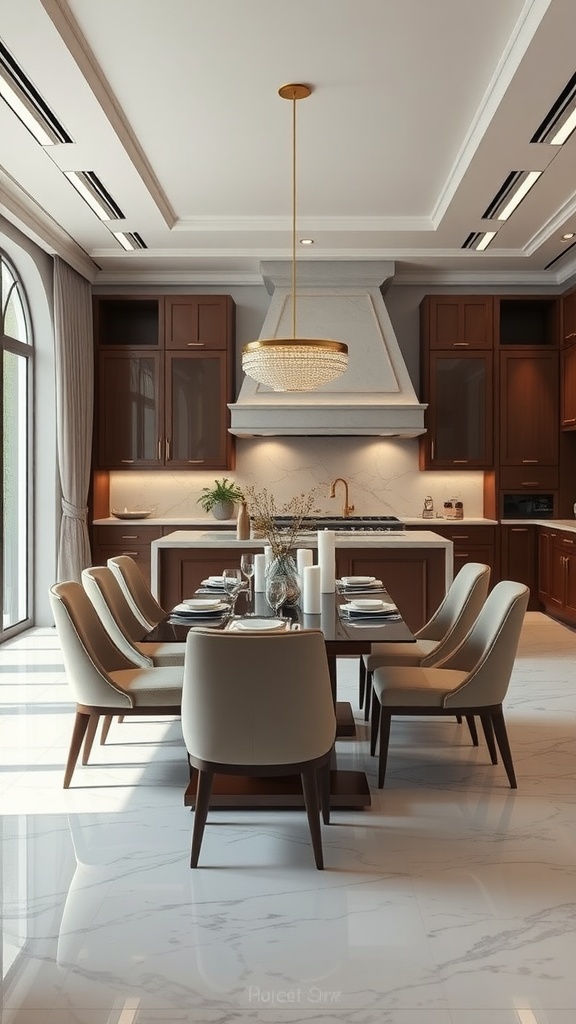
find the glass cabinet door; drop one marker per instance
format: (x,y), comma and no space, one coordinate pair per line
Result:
(196,410)
(460,414)
(129,409)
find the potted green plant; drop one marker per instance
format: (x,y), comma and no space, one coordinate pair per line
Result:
(221,499)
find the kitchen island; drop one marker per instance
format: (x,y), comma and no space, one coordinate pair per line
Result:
(415,565)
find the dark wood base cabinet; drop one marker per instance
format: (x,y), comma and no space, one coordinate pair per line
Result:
(557,574)
(519,558)
(414,578)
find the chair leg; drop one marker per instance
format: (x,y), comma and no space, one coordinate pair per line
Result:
(106,723)
(385,720)
(459,719)
(200,813)
(472,729)
(90,734)
(310,790)
(503,746)
(374,723)
(361,682)
(489,737)
(78,733)
(120,719)
(368,696)
(324,779)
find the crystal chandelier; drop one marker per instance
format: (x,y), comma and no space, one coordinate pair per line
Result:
(294,364)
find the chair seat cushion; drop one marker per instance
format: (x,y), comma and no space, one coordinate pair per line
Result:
(163,654)
(149,686)
(398,654)
(415,687)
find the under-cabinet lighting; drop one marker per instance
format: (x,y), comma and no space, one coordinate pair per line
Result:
(517,196)
(26,102)
(93,192)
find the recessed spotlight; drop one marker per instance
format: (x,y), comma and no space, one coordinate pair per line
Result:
(306,241)
(568,235)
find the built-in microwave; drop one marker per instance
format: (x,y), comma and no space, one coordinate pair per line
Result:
(528,506)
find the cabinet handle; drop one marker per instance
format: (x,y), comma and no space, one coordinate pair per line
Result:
(530,462)
(460,536)
(196,462)
(159,449)
(195,344)
(529,483)
(127,462)
(432,449)
(519,529)
(573,420)
(461,554)
(566,541)
(460,344)
(129,536)
(460,462)
(167,449)
(133,554)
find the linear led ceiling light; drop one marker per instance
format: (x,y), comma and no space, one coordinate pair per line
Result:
(513,191)
(130,240)
(93,192)
(479,240)
(26,102)
(560,121)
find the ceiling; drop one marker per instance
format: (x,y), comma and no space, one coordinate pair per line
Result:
(419,112)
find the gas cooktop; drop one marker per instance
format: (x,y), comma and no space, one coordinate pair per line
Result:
(350,524)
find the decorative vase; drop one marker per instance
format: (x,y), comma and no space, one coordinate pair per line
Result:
(285,566)
(223,509)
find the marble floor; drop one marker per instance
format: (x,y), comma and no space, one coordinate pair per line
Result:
(451,901)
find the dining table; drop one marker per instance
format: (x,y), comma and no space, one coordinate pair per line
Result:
(345,635)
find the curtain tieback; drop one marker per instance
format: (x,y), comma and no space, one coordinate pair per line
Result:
(74,511)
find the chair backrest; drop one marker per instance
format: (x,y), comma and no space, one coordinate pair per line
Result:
(138,593)
(88,652)
(258,699)
(114,612)
(489,650)
(457,612)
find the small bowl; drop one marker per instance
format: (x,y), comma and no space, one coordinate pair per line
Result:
(133,514)
(201,604)
(357,581)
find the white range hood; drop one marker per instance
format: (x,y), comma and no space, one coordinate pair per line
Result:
(375,396)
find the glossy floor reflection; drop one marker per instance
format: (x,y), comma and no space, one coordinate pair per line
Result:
(452,901)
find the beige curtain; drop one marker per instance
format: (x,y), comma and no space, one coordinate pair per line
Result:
(74,403)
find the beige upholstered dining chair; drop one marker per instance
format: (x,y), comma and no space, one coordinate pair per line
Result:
(102,679)
(259,705)
(137,592)
(473,680)
(120,622)
(439,636)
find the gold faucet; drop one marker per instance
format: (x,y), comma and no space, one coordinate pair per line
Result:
(346,508)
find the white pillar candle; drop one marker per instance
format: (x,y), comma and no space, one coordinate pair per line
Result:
(327,560)
(259,573)
(304,557)
(311,600)
(267,554)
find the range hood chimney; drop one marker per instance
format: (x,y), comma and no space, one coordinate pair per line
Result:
(374,396)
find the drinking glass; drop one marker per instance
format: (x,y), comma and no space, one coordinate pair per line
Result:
(276,593)
(247,569)
(232,583)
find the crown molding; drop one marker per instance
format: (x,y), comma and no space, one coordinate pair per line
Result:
(221,278)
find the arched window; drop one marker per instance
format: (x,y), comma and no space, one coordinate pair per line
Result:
(15,459)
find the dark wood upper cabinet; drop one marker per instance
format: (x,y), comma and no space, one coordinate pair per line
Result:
(569,318)
(459,389)
(525,320)
(568,388)
(197,322)
(164,380)
(528,407)
(461,321)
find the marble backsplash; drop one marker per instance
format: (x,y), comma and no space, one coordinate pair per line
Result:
(382,474)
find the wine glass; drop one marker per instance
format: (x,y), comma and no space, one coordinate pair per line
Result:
(232,579)
(247,569)
(276,592)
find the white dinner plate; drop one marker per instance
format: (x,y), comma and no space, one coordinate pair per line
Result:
(215,609)
(370,608)
(255,625)
(357,581)
(214,581)
(202,604)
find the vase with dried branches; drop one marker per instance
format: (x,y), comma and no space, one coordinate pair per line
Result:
(265,514)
